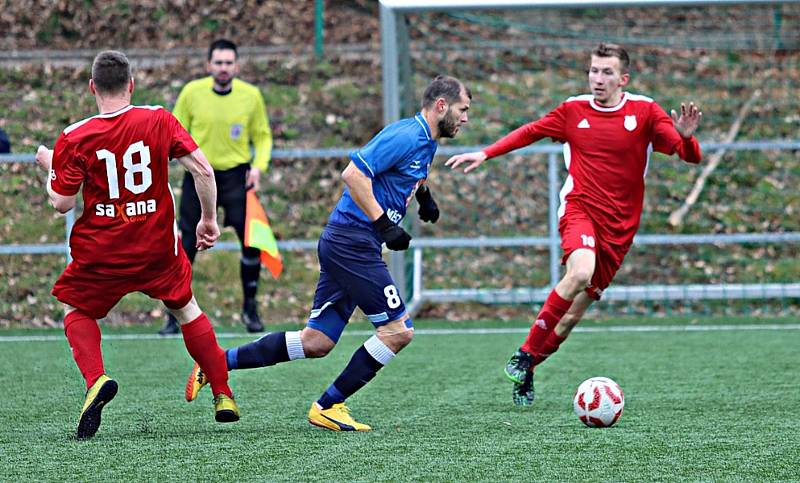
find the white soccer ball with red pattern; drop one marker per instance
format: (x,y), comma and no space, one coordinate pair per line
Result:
(599,402)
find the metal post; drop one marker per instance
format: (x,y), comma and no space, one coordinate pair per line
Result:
(553,202)
(389,58)
(391,113)
(416,292)
(405,80)
(319,29)
(777,15)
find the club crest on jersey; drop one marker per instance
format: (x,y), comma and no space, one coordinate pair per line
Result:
(236,131)
(630,122)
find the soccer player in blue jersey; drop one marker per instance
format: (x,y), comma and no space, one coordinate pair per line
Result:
(379,182)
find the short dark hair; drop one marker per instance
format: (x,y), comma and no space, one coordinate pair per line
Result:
(613,50)
(444,86)
(111,72)
(222,44)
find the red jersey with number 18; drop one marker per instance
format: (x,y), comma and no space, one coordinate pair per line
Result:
(606,150)
(121,159)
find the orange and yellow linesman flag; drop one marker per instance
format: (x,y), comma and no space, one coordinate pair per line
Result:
(258,234)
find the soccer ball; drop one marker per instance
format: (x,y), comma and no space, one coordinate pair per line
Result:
(599,402)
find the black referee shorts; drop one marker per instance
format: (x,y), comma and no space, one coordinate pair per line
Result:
(231,196)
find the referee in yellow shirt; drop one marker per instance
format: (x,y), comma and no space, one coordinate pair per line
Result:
(225,116)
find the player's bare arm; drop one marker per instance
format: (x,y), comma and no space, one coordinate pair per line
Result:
(44,157)
(207,228)
(686,123)
(474,159)
(360,187)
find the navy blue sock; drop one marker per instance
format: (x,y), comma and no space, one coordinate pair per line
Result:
(359,371)
(266,351)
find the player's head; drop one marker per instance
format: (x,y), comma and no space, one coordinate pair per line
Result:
(223,62)
(448,99)
(111,75)
(608,73)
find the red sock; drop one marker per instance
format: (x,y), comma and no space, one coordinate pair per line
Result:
(198,335)
(83,336)
(553,309)
(550,345)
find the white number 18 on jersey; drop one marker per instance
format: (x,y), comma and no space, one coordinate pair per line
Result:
(131,168)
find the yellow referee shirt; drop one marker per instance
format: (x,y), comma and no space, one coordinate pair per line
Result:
(224,126)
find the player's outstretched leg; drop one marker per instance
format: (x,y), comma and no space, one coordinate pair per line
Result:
(101,392)
(267,350)
(329,411)
(201,342)
(548,317)
(84,339)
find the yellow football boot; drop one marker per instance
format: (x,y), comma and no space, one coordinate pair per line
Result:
(335,418)
(225,408)
(101,392)
(197,379)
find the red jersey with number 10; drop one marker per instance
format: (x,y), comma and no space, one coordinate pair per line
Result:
(606,150)
(121,159)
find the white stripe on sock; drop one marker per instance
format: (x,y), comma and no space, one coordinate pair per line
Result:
(378,350)
(294,346)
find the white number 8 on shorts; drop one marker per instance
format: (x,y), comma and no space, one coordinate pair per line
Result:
(392,297)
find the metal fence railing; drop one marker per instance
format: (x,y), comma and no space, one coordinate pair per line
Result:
(416,291)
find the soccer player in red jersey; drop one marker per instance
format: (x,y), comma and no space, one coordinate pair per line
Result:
(608,136)
(126,239)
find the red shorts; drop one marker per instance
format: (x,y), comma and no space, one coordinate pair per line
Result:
(578,230)
(95,294)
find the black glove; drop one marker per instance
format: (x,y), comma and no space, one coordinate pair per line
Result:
(428,211)
(395,236)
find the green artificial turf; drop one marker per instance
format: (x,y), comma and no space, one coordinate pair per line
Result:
(700,405)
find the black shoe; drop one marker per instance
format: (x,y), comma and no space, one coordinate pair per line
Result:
(522,394)
(101,392)
(250,317)
(170,327)
(518,366)
(252,321)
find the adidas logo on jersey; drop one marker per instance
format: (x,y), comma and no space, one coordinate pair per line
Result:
(584,124)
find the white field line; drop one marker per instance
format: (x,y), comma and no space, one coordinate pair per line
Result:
(424,332)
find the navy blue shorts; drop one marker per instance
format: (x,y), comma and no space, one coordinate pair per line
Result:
(352,274)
